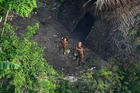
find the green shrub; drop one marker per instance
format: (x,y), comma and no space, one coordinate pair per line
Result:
(34,74)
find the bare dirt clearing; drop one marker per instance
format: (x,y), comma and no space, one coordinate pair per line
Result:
(49,34)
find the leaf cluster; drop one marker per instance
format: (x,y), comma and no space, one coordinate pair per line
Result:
(21,7)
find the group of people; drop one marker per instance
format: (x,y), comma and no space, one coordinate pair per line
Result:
(79,49)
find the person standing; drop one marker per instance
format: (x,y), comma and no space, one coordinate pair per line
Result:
(63,45)
(80,52)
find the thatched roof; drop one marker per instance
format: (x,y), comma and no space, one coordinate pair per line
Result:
(121,11)
(107,4)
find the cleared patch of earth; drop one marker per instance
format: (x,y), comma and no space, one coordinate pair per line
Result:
(49,34)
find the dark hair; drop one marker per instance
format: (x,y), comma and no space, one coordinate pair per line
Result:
(64,37)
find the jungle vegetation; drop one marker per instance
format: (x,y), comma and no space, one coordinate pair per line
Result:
(24,70)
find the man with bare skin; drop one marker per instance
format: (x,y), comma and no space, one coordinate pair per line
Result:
(80,52)
(63,45)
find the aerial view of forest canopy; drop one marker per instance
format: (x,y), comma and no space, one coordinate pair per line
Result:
(69,46)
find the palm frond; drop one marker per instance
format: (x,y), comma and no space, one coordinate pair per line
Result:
(8,65)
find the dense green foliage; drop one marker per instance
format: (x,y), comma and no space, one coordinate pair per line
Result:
(34,75)
(22,7)
(112,77)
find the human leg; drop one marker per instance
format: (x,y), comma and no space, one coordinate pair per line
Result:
(64,50)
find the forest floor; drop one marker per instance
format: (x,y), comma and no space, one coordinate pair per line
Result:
(49,35)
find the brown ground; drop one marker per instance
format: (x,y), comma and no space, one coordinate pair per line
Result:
(48,35)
